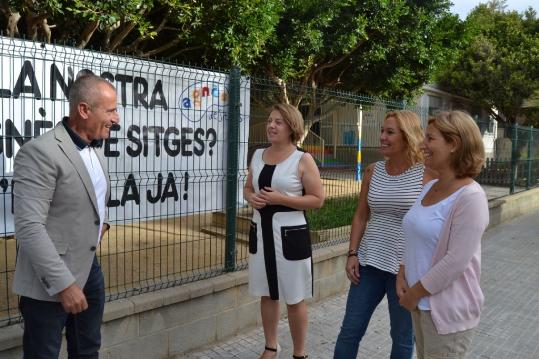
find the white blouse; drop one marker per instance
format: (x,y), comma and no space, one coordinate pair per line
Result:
(422,226)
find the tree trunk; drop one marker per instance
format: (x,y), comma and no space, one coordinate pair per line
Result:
(283,92)
(87,34)
(12,28)
(32,23)
(47,33)
(122,33)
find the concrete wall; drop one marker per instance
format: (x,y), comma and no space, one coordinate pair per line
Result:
(173,321)
(509,207)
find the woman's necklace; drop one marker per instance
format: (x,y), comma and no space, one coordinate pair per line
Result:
(393,170)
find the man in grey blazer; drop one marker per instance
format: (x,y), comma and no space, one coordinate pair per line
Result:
(61,187)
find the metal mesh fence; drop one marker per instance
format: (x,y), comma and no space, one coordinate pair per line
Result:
(337,125)
(167,162)
(514,163)
(179,161)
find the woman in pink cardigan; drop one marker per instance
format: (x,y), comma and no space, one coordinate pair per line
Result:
(439,280)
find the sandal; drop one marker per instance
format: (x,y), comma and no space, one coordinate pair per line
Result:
(301,357)
(274,350)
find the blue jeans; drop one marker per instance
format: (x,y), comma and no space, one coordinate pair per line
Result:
(362,301)
(44,322)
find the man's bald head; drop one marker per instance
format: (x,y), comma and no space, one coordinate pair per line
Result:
(86,88)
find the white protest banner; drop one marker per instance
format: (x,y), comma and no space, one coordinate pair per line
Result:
(168,158)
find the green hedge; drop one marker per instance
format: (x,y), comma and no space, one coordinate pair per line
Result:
(336,212)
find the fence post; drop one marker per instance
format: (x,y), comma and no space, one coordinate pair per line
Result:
(530,142)
(232,167)
(359,117)
(514,163)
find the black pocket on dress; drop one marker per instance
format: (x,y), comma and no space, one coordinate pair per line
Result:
(296,242)
(252,238)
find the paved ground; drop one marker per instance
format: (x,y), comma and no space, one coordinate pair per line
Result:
(509,326)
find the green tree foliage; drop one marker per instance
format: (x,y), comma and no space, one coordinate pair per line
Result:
(302,40)
(206,32)
(375,47)
(385,48)
(238,29)
(378,47)
(498,61)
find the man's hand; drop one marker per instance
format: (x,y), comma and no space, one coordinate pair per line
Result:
(73,299)
(104,229)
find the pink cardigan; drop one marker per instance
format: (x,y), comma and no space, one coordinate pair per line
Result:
(453,279)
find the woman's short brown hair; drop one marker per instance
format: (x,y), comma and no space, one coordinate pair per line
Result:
(293,119)
(459,128)
(410,126)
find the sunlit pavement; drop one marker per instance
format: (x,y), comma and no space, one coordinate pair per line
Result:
(509,325)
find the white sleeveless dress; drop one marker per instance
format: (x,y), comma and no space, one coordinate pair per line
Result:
(280,263)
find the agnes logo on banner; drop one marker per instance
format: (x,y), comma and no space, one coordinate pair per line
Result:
(201,99)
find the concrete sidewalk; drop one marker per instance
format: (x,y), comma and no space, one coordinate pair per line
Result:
(509,325)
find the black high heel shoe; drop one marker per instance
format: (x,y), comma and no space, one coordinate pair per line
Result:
(302,357)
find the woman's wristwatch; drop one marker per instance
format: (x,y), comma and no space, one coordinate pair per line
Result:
(352,253)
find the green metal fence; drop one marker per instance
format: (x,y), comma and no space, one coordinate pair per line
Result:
(514,163)
(172,164)
(337,124)
(177,170)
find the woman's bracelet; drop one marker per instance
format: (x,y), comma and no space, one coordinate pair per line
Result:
(352,253)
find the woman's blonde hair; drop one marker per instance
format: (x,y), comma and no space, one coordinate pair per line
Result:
(459,128)
(293,119)
(410,126)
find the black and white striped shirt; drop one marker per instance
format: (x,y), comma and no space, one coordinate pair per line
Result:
(389,198)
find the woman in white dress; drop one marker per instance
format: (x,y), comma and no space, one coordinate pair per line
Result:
(281,184)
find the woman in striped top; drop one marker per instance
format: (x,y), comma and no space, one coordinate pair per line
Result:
(388,190)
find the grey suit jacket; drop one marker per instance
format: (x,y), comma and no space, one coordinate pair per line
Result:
(56,216)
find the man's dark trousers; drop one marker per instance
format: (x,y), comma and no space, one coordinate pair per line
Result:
(44,322)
